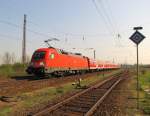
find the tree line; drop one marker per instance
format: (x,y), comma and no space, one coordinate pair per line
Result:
(10,58)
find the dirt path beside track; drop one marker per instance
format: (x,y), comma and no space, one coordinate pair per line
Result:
(118,103)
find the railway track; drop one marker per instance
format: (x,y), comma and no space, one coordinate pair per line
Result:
(85,102)
(26,84)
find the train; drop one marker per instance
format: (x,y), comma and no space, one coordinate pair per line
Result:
(59,62)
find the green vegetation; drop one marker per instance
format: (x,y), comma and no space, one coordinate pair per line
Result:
(8,70)
(5,111)
(145,91)
(37,97)
(144,98)
(30,99)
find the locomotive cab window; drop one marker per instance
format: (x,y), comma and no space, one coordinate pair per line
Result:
(39,55)
(52,56)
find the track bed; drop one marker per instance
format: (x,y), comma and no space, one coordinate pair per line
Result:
(85,102)
(16,85)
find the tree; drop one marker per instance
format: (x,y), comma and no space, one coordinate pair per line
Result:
(13,58)
(7,58)
(28,59)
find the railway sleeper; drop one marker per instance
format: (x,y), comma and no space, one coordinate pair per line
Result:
(68,113)
(73,113)
(106,86)
(88,97)
(83,102)
(91,95)
(75,109)
(96,92)
(77,105)
(101,89)
(87,100)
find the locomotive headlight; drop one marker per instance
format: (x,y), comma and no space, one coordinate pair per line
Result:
(42,64)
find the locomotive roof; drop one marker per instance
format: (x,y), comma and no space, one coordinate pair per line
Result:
(60,51)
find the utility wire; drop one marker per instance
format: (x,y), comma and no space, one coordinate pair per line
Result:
(29,30)
(115,25)
(47,36)
(35,24)
(61,33)
(8,37)
(112,16)
(4,36)
(102,16)
(9,23)
(107,16)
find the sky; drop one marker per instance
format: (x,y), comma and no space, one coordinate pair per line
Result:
(104,25)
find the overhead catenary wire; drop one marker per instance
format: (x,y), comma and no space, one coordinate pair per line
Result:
(9,37)
(4,36)
(115,24)
(112,16)
(80,36)
(20,27)
(67,35)
(108,19)
(102,16)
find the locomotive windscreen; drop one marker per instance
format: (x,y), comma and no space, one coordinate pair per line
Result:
(39,55)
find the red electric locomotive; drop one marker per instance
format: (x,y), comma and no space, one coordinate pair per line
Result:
(52,60)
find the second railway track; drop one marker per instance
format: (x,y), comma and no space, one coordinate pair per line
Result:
(85,102)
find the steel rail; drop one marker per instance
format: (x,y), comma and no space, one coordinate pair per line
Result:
(93,109)
(53,108)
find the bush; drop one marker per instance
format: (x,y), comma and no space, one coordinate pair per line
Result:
(146,110)
(143,72)
(7,70)
(59,90)
(18,67)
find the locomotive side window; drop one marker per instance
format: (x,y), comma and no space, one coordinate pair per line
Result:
(52,56)
(39,55)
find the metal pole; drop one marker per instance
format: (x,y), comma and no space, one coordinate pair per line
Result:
(137,78)
(137,37)
(24,41)
(103,72)
(94,54)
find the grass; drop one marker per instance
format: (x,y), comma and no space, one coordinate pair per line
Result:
(144,80)
(130,108)
(8,70)
(144,97)
(31,99)
(97,78)
(5,111)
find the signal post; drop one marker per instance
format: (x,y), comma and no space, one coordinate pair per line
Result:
(137,37)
